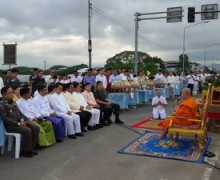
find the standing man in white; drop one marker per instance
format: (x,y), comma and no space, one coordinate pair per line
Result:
(101,77)
(160,77)
(171,82)
(159,103)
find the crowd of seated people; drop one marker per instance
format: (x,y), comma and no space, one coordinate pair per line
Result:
(53,111)
(52,108)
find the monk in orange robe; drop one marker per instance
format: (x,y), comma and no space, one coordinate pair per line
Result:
(186,110)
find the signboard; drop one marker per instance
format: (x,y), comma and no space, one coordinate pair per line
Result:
(174,14)
(209,11)
(10,54)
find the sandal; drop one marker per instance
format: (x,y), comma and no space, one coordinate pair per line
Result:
(209,154)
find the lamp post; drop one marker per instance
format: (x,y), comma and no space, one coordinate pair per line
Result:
(184,39)
(209,45)
(45,64)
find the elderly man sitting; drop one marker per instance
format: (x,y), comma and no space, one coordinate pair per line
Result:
(186,110)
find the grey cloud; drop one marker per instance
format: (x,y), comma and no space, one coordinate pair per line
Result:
(57,30)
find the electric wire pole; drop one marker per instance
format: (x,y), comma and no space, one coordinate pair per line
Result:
(89,32)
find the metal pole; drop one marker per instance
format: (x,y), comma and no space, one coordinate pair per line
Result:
(89,32)
(184,36)
(184,39)
(205,58)
(45,64)
(136,45)
(209,45)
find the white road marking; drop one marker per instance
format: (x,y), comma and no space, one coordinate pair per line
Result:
(207,174)
(212,161)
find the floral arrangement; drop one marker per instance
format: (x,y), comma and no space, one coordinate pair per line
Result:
(213,80)
(159,84)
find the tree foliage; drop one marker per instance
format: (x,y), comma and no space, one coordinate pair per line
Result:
(126,59)
(186,63)
(60,69)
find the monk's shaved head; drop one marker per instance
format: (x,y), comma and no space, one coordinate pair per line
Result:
(158,93)
(186,91)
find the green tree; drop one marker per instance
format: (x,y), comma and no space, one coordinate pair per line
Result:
(186,63)
(126,59)
(206,69)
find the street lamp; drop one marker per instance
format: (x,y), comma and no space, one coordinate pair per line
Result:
(209,45)
(184,38)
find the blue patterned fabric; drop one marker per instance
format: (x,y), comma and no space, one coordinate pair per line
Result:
(144,95)
(135,100)
(119,98)
(180,87)
(164,92)
(2,133)
(147,145)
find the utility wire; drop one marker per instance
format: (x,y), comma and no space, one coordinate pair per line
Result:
(142,37)
(128,29)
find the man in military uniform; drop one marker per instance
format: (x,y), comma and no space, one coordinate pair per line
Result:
(16,122)
(106,106)
(14,81)
(7,77)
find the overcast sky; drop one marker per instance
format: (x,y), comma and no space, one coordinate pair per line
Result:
(57,31)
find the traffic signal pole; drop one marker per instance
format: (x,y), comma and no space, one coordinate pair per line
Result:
(170,14)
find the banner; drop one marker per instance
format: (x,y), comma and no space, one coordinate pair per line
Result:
(10,54)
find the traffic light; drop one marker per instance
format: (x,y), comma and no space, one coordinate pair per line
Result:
(191,14)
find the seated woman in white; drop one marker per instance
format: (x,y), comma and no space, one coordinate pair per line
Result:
(159,103)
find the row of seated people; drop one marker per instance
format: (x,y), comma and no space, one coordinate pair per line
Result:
(50,117)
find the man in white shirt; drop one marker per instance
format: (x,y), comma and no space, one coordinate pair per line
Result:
(78,104)
(76,77)
(25,104)
(127,76)
(41,104)
(76,107)
(121,72)
(159,77)
(171,82)
(190,81)
(1,85)
(158,103)
(114,77)
(61,107)
(101,77)
(196,79)
(51,78)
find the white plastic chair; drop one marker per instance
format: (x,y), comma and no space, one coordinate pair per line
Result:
(11,137)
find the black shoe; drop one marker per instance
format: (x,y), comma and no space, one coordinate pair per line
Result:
(59,140)
(105,124)
(73,136)
(99,125)
(91,128)
(109,122)
(34,153)
(27,154)
(84,130)
(79,134)
(118,121)
(96,126)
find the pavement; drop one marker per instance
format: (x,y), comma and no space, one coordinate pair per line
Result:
(94,157)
